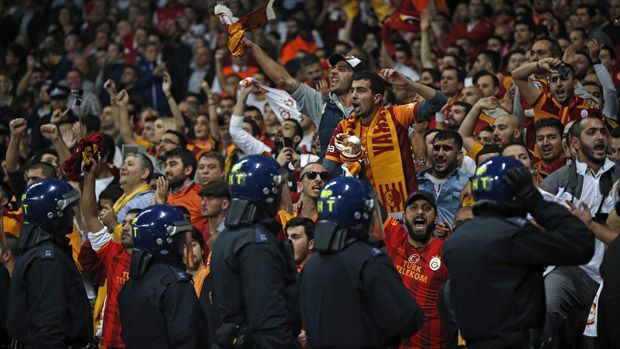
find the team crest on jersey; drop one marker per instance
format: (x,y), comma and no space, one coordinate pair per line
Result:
(435,263)
(414,258)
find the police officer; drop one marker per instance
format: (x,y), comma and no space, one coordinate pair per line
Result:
(158,305)
(253,273)
(48,307)
(496,260)
(350,294)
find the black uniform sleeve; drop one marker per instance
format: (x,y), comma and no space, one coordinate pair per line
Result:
(263,275)
(567,240)
(184,319)
(396,313)
(46,295)
(610,297)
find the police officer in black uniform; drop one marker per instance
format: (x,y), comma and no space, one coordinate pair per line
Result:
(253,273)
(350,294)
(48,307)
(496,260)
(158,305)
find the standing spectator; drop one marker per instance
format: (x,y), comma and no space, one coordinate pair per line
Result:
(202,69)
(135,176)
(560,102)
(324,114)
(115,257)
(88,102)
(210,168)
(589,180)
(312,179)
(384,134)
(549,146)
(417,256)
(300,232)
(478,28)
(180,170)
(444,179)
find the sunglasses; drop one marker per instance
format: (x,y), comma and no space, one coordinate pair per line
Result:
(311,175)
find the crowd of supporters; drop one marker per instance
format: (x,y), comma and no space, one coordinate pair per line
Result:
(138,103)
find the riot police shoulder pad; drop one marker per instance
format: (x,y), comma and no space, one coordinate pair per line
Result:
(518,221)
(180,275)
(261,237)
(46,252)
(374,250)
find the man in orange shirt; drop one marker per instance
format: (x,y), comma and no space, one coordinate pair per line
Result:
(180,169)
(560,101)
(384,134)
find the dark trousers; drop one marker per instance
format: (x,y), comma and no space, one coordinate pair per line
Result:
(569,292)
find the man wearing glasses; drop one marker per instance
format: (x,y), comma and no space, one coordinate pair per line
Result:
(311,181)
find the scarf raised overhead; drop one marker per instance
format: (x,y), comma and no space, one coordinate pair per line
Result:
(384,158)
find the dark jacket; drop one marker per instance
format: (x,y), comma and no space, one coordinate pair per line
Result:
(252,283)
(354,298)
(496,262)
(48,307)
(159,309)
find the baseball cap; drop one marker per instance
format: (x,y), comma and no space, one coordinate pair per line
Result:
(421,194)
(59,92)
(216,189)
(355,63)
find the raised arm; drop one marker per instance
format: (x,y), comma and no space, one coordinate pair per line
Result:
(274,70)
(466,130)
(88,202)
(22,86)
(521,77)
(211,110)
(18,127)
(51,132)
(425,46)
(174,107)
(122,108)
(219,71)
(244,141)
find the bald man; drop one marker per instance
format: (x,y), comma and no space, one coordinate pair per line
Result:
(507,131)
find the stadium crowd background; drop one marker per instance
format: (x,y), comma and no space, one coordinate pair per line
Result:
(137,82)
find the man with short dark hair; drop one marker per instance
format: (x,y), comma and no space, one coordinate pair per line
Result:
(324,114)
(452,79)
(215,202)
(549,146)
(180,170)
(383,133)
(210,167)
(560,102)
(588,181)
(444,178)
(417,256)
(487,83)
(614,147)
(170,140)
(300,232)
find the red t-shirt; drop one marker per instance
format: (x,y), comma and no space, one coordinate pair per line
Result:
(116,262)
(423,273)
